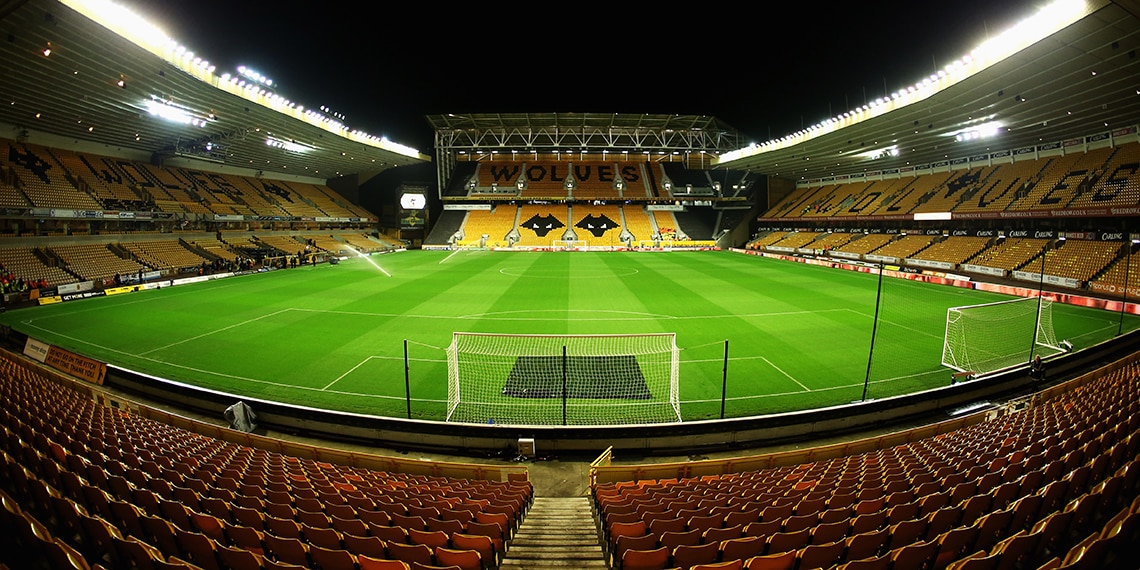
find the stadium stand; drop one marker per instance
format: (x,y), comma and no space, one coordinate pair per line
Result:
(866,244)
(1095,178)
(30,266)
(597,180)
(1061,471)
(214,249)
(120,490)
(43,180)
(954,249)
(540,224)
(1061,180)
(1118,275)
(639,224)
(766,239)
(598,225)
(94,261)
(695,225)
(283,245)
(1116,182)
(1080,259)
(496,224)
(667,225)
(164,254)
(905,246)
(1011,253)
(91,481)
(796,240)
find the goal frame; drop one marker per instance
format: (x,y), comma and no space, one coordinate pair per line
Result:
(1043,335)
(473,399)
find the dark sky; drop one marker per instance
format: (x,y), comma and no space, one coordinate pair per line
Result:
(764,71)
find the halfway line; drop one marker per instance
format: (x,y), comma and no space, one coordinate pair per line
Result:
(235,325)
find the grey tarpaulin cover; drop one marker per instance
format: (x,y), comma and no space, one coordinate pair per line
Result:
(241,417)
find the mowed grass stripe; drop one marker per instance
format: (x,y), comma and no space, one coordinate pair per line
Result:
(332,336)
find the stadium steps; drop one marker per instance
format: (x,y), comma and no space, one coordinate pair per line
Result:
(558,532)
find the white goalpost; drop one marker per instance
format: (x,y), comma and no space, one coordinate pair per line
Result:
(993,336)
(568,244)
(553,379)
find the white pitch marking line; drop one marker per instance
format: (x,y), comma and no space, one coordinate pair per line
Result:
(350,371)
(449,256)
(242,378)
(806,389)
(203,335)
(365,361)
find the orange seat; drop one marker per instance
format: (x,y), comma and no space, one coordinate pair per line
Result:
(465,559)
(742,548)
(411,553)
(686,555)
(331,559)
(781,561)
(430,538)
(371,563)
(724,565)
(654,559)
(488,552)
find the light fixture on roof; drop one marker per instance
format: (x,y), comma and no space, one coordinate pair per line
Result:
(287,145)
(982,131)
(174,113)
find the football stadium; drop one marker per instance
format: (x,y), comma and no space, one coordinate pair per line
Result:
(238,333)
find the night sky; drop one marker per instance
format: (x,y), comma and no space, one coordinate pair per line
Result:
(765,73)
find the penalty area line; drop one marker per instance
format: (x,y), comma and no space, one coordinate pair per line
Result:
(365,361)
(350,371)
(789,376)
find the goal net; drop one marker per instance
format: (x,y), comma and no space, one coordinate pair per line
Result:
(569,244)
(518,379)
(985,338)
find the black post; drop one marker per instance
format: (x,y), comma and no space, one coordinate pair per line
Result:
(874,330)
(407,384)
(1040,292)
(564,394)
(724,379)
(1127,266)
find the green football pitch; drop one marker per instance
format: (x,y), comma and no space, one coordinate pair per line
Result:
(338,336)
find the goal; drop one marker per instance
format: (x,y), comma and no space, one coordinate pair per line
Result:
(537,379)
(569,244)
(993,336)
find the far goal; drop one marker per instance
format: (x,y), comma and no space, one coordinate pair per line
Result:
(558,379)
(569,244)
(986,338)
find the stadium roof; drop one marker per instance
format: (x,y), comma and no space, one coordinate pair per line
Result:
(1079,81)
(574,131)
(1082,80)
(61,76)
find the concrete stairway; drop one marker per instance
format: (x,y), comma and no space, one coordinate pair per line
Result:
(558,532)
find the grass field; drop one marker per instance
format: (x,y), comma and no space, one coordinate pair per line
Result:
(798,336)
